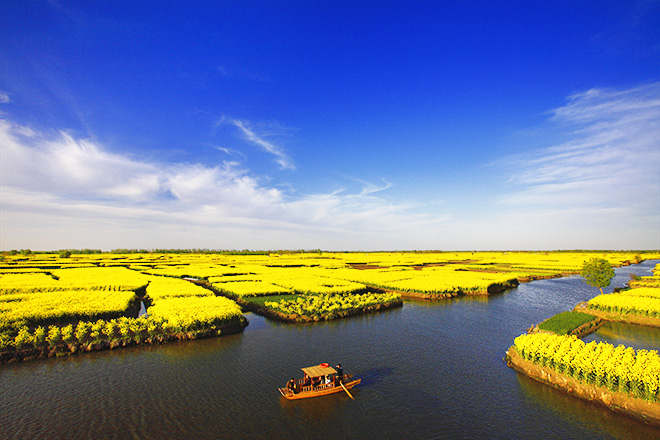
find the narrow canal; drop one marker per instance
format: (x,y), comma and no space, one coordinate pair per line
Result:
(430,370)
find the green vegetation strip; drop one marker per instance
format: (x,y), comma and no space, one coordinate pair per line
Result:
(566,323)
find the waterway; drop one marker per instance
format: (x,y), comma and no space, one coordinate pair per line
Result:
(430,370)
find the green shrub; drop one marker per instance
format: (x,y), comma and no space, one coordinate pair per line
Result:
(6,341)
(96,333)
(111,330)
(23,338)
(39,337)
(68,334)
(83,330)
(54,335)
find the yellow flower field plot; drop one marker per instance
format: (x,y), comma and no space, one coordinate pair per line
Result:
(600,364)
(331,306)
(167,287)
(643,299)
(403,259)
(196,313)
(263,280)
(67,295)
(439,280)
(652,292)
(20,270)
(557,262)
(65,310)
(375,277)
(62,306)
(645,303)
(311,281)
(647,281)
(94,278)
(430,280)
(26,282)
(197,270)
(249,287)
(117,278)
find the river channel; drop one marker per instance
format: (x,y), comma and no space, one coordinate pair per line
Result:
(430,370)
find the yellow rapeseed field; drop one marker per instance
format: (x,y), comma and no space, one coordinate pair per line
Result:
(597,363)
(44,293)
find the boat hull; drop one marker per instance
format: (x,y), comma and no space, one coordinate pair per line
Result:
(306,394)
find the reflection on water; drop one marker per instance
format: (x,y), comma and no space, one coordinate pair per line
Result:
(374,376)
(630,335)
(428,369)
(322,408)
(588,414)
(449,301)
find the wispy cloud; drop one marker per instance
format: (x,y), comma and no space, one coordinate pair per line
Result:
(597,106)
(613,157)
(259,139)
(607,173)
(369,188)
(231,152)
(4,97)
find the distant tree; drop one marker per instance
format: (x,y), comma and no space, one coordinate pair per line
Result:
(65,253)
(597,272)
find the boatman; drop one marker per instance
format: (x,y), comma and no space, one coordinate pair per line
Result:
(291,385)
(340,374)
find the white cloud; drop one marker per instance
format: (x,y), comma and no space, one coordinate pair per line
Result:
(60,191)
(4,98)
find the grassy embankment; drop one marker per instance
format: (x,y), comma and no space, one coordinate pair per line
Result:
(570,323)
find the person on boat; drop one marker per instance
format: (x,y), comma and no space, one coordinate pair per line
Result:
(308,381)
(340,374)
(291,385)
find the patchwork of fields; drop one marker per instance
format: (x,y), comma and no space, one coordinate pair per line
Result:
(53,304)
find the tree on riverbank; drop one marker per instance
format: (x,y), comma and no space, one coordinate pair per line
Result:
(597,272)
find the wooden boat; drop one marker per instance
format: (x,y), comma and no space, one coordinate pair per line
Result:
(319,380)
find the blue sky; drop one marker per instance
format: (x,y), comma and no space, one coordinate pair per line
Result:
(451,125)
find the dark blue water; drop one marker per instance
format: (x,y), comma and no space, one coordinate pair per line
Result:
(429,370)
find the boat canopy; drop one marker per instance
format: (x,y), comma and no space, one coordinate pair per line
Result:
(319,370)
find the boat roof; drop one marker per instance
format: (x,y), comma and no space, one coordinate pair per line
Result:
(318,370)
